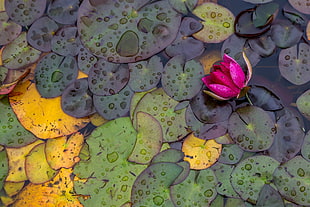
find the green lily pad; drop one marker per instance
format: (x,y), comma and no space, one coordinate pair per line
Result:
(9,30)
(169,155)
(19,54)
(294,65)
(158,104)
(109,175)
(182,79)
(198,188)
(183,6)
(135,100)
(288,139)
(252,128)
(3,74)
(231,154)
(149,139)
(85,60)
(4,167)
(303,104)
(268,196)
(192,122)
(222,173)
(63,11)
(127,31)
(218,22)
(54,73)
(251,174)
(145,75)
(292,180)
(13,134)
(25,12)
(151,188)
(264,14)
(305,149)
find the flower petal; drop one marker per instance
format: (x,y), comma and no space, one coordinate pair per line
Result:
(213,95)
(207,80)
(249,67)
(221,78)
(223,91)
(236,72)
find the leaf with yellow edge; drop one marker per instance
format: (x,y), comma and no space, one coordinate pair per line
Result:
(57,192)
(12,188)
(207,60)
(200,153)
(6,200)
(43,117)
(36,166)
(62,152)
(2,8)
(97,120)
(17,158)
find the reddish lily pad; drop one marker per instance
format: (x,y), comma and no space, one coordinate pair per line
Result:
(9,30)
(141,29)
(218,22)
(303,104)
(63,11)
(25,12)
(54,73)
(294,65)
(252,128)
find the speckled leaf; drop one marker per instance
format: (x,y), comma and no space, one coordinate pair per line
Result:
(218,22)
(192,122)
(41,33)
(4,167)
(294,16)
(212,131)
(231,154)
(114,106)
(25,12)
(158,104)
(143,29)
(151,188)
(300,5)
(269,196)
(305,149)
(63,11)
(303,104)
(168,155)
(251,174)
(145,75)
(12,78)
(288,139)
(3,74)
(136,99)
(252,128)
(13,188)
(294,65)
(13,134)
(54,73)
(66,41)
(76,100)
(149,139)
(292,180)
(85,60)
(183,6)
(198,188)
(9,30)
(18,53)
(182,79)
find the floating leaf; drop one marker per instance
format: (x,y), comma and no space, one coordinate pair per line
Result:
(258,1)
(18,53)
(63,152)
(294,65)
(288,139)
(264,14)
(66,41)
(300,5)
(3,74)
(135,100)
(141,31)
(198,188)
(192,122)
(182,79)
(12,188)
(9,30)
(302,103)
(218,22)
(291,179)
(251,174)
(41,32)
(63,11)
(85,60)
(183,6)
(4,166)
(151,188)
(168,155)
(212,131)
(25,12)
(200,153)
(209,58)
(35,114)
(16,75)
(252,128)
(263,45)
(268,196)
(57,192)
(231,154)
(305,149)
(294,16)
(145,75)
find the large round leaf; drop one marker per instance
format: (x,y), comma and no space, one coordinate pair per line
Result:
(63,11)
(303,104)
(127,31)
(252,128)
(9,30)
(85,60)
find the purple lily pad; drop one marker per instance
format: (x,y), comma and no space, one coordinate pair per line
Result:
(86,60)
(9,30)
(63,11)
(303,104)
(183,6)
(263,45)
(214,130)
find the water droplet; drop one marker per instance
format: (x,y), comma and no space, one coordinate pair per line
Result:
(248,167)
(143,152)
(301,172)
(128,45)
(158,200)
(208,193)
(112,157)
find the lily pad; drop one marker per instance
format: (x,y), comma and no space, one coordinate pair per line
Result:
(250,176)
(54,73)
(303,104)
(218,22)
(9,30)
(168,155)
(294,65)
(149,139)
(263,45)
(300,5)
(183,6)
(158,104)
(63,11)
(135,100)
(258,1)
(198,188)
(4,166)
(192,122)
(305,149)
(182,79)
(139,30)
(212,131)
(145,75)
(114,106)
(269,196)
(288,139)
(107,78)
(231,154)
(18,53)
(3,74)
(291,179)
(41,32)
(25,12)
(252,128)
(85,60)
(77,100)
(66,41)
(264,14)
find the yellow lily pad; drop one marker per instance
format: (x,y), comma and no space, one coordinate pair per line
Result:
(12,188)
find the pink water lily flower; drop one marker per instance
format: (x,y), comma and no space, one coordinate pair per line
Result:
(228,80)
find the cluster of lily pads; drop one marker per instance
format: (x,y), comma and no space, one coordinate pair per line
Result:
(112,91)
